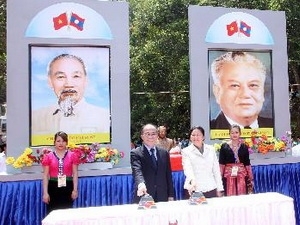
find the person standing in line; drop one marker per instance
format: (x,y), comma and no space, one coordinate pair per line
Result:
(60,176)
(151,168)
(163,141)
(200,166)
(235,164)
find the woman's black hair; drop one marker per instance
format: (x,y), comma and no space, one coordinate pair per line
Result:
(198,128)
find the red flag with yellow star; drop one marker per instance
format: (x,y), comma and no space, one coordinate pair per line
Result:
(60,21)
(232,28)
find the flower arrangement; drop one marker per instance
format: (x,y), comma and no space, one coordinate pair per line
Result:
(264,144)
(28,157)
(96,153)
(85,153)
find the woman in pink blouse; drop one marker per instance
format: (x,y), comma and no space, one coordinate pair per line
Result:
(60,178)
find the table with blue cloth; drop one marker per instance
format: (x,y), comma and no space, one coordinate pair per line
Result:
(21,194)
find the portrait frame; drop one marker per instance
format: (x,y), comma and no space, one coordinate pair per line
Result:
(97,93)
(267,111)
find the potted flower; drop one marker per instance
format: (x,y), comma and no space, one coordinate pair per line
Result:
(28,158)
(268,147)
(96,156)
(262,146)
(87,154)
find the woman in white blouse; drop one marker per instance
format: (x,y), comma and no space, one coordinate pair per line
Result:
(201,166)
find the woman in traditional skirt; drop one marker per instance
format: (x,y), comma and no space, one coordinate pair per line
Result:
(235,164)
(60,178)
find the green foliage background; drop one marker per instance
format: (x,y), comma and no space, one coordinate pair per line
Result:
(159,64)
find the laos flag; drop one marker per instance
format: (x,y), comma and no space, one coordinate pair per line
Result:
(245,29)
(76,21)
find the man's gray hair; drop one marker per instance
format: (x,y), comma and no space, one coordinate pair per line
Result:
(235,57)
(66,56)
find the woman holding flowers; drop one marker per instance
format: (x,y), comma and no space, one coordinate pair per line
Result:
(235,164)
(60,178)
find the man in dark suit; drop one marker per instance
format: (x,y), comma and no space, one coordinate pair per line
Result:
(239,79)
(151,168)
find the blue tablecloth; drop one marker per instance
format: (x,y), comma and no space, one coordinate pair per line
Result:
(21,201)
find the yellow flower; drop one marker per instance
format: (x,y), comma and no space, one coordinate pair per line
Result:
(71,145)
(17,165)
(104,154)
(217,146)
(115,151)
(97,156)
(27,151)
(279,145)
(25,159)
(248,142)
(103,149)
(10,160)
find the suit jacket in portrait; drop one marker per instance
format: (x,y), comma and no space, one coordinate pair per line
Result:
(158,181)
(220,122)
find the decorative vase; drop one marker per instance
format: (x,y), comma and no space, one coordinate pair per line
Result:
(11,170)
(95,166)
(268,155)
(32,169)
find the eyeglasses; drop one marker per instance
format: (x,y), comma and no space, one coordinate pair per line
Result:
(150,134)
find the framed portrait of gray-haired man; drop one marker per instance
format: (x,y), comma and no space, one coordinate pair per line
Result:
(240,91)
(70,92)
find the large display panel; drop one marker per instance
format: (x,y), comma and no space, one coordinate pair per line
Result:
(259,98)
(70,92)
(96,36)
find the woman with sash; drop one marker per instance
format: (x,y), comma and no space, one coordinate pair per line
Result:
(60,177)
(235,165)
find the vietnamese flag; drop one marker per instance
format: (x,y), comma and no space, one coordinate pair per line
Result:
(232,28)
(60,21)
(76,21)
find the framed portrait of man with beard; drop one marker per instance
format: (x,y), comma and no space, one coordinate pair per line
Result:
(70,92)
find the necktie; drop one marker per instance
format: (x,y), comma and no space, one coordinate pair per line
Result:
(247,127)
(154,162)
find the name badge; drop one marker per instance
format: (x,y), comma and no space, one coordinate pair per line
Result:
(61,181)
(234,171)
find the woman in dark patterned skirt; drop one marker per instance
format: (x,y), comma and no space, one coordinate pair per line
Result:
(235,165)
